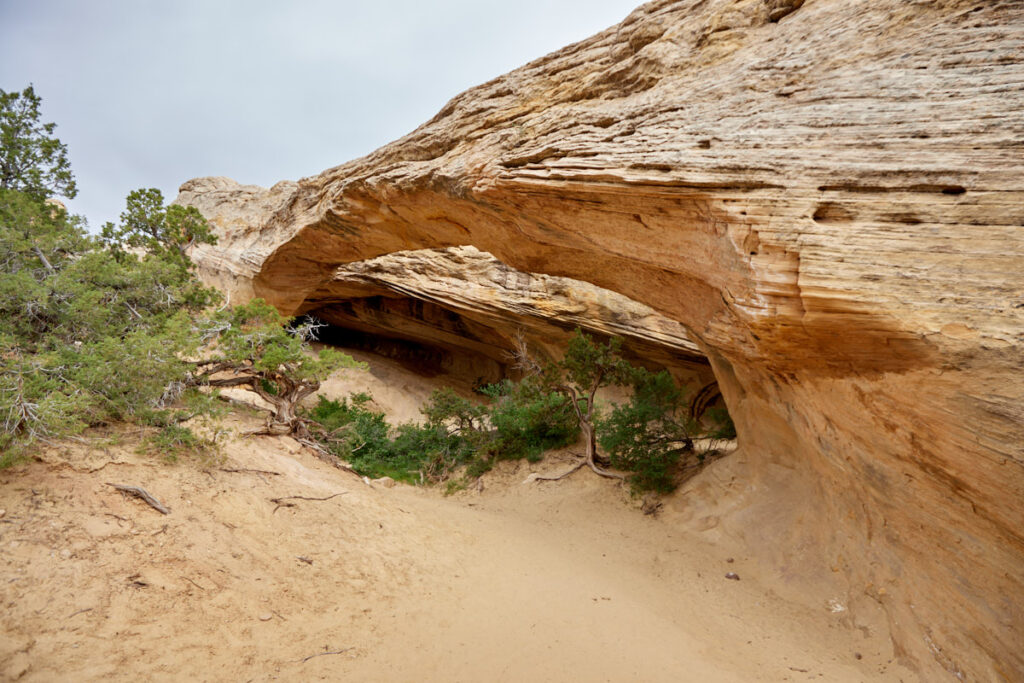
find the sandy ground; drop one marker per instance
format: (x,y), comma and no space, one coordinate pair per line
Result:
(560,581)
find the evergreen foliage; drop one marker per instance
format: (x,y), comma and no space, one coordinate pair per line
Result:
(97,330)
(649,434)
(528,420)
(350,427)
(32,161)
(258,348)
(412,453)
(164,231)
(457,432)
(85,337)
(586,367)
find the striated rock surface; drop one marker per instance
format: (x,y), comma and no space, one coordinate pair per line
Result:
(464,299)
(830,196)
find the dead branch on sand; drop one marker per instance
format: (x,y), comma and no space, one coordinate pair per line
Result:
(143,494)
(321,654)
(325,455)
(540,477)
(281,504)
(246,469)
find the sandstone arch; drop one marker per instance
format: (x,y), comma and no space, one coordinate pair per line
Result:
(829,197)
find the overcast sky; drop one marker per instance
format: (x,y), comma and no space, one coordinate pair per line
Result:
(150,93)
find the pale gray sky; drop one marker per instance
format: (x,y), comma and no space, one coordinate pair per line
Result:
(150,94)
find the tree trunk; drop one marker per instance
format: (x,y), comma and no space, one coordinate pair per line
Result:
(282,419)
(590,434)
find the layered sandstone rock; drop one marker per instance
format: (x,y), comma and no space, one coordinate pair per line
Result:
(829,196)
(466,300)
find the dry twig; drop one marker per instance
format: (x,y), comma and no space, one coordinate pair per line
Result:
(325,455)
(194,583)
(246,469)
(143,494)
(281,504)
(321,654)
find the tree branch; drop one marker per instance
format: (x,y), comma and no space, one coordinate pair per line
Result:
(143,494)
(232,381)
(39,253)
(563,475)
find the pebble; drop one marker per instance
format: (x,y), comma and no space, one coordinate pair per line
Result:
(266,616)
(2,512)
(733,575)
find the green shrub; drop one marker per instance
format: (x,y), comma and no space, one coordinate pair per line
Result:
(174,441)
(478,466)
(361,436)
(528,420)
(348,428)
(86,336)
(648,434)
(90,330)
(431,452)
(462,416)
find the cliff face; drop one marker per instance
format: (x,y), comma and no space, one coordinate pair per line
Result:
(828,194)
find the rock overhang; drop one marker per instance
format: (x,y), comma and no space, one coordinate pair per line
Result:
(836,220)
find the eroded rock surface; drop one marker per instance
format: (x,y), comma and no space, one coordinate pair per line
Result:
(830,196)
(463,299)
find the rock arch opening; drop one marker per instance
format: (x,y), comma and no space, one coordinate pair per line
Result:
(458,311)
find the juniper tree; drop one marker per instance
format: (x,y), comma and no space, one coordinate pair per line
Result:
(163,231)
(586,367)
(85,337)
(258,348)
(32,160)
(647,436)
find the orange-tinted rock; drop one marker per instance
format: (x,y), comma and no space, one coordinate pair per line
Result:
(830,197)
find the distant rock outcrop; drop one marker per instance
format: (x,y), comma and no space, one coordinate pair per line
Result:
(829,195)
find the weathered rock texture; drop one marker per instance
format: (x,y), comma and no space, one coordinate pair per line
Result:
(830,196)
(466,300)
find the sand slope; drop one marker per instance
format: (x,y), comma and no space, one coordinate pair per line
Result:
(564,581)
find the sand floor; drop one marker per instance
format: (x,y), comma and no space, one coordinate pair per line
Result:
(560,581)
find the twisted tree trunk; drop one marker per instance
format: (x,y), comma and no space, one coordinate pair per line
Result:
(283,418)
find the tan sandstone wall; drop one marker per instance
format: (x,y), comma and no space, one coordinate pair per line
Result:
(829,196)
